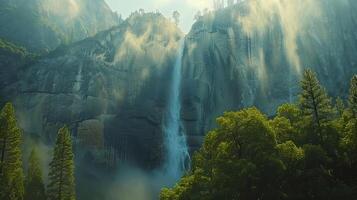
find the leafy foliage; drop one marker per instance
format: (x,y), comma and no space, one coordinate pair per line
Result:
(10,49)
(307,151)
(8,46)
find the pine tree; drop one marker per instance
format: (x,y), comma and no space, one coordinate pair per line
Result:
(11,172)
(340,106)
(314,101)
(35,188)
(353,96)
(61,176)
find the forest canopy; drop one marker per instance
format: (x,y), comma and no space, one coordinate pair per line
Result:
(307,151)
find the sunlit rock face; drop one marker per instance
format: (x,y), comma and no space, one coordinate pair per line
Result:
(253,54)
(111,90)
(43,25)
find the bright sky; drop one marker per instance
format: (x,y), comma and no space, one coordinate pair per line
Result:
(187,8)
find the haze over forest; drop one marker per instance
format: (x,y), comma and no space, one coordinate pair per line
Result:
(178,99)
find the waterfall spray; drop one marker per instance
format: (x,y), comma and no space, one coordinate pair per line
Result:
(177,159)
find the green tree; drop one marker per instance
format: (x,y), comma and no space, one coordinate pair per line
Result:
(340,106)
(349,142)
(61,176)
(11,172)
(349,124)
(290,112)
(314,102)
(238,160)
(293,159)
(353,96)
(290,154)
(283,129)
(241,159)
(34,187)
(317,177)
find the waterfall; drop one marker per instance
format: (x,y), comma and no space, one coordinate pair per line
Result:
(78,80)
(177,159)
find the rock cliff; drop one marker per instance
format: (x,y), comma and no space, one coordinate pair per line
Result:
(252,54)
(43,25)
(110,89)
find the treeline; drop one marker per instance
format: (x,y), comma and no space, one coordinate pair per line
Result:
(14,185)
(307,151)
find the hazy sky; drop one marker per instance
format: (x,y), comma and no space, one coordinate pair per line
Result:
(187,8)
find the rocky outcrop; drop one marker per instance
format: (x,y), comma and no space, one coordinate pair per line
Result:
(252,54)
(43,25)
(110,89)
(12,59)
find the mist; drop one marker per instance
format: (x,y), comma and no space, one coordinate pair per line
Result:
(138,95)
(134,183)
(293,17)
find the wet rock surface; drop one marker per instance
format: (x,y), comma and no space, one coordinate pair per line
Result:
(111,88)
(233,60)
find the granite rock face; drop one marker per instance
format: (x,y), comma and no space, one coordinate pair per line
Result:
(253,53)
(112,89)
(43,25)
(109,89)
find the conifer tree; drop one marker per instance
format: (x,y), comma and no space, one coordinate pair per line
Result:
(11,172)
(340,106)
(314,100)
(34,188)
(61,176)
(353,96)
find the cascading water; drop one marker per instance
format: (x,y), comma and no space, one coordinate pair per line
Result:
(178,159)
(78,81)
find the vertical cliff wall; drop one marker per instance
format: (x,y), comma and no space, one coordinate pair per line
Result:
(113,89)
(253,53)
(110,89)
